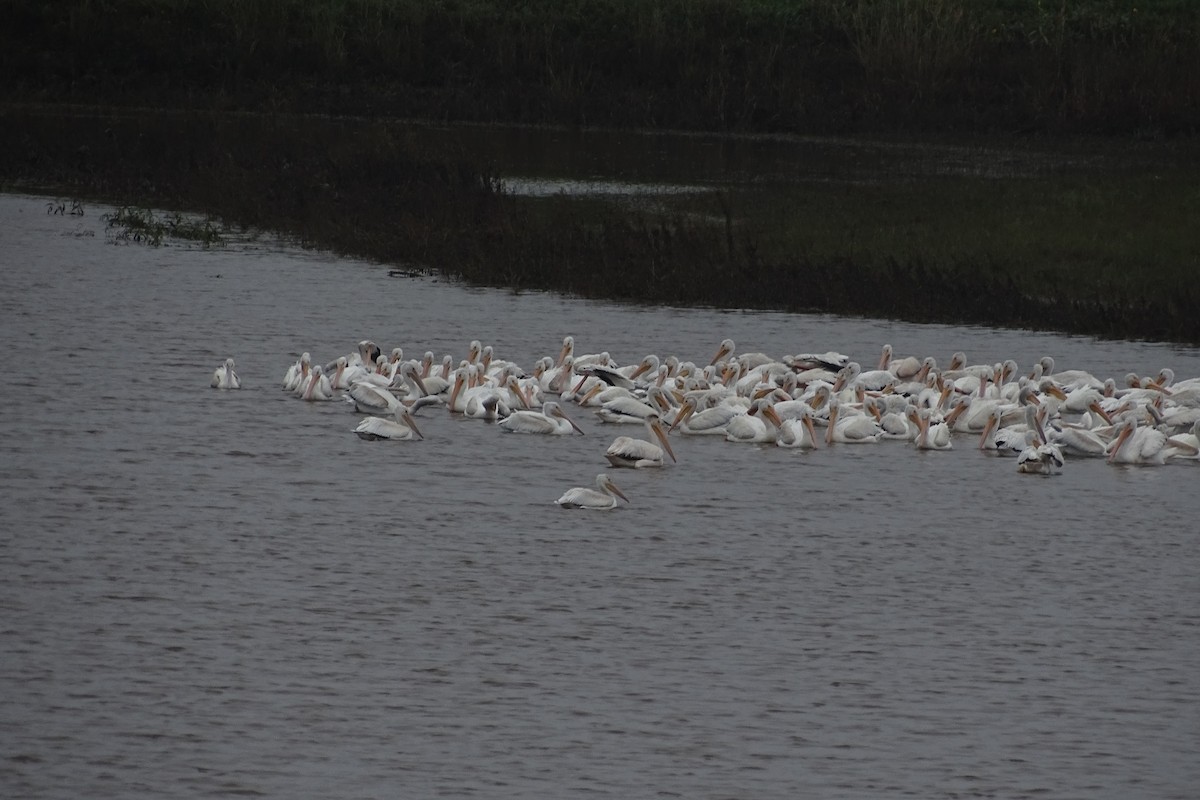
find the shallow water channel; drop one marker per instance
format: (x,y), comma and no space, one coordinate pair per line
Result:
(215,593)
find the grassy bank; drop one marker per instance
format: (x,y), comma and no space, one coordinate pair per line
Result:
(751,65)
(1113,256)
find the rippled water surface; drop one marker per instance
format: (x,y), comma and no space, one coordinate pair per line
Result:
(210,593)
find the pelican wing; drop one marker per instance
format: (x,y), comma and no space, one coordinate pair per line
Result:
(377,428)
(624,409)
(370,398)
(712,420)
(626,451)
(528,422)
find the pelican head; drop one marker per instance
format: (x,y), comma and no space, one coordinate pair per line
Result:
(553,409)
(605,484)
(655,424)
(724,351)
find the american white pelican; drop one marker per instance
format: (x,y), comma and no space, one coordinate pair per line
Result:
(317,386)
(568,354)
(1043,459)
(368,351)
(225,378)
(934,435)
(903,368)
(371,398)
(1077,441)
(602,498)
(297,373)
(550,420)
(892,417)
(625,409)
(402,428)
(1136,444)
(1069,377)
(759,425)
(845,428)
(852,376)
(626,451)
(829,360)
(798,431)
(1185,445)
(344,375)
(647,366)
(724,351)
(487,407)
(710,421)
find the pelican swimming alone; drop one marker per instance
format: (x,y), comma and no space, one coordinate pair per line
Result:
(225,378)
(626,451)
(601,498)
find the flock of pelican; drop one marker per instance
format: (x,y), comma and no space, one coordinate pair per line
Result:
(1042,416)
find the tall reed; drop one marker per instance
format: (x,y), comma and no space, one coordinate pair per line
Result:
(759,65)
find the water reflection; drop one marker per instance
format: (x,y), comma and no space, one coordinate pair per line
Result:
(219,592)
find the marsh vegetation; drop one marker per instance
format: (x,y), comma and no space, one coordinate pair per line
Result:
(245,133)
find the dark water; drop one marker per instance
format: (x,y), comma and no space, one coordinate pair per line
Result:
(227,593)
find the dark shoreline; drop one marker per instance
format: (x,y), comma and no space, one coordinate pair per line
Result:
(364,188)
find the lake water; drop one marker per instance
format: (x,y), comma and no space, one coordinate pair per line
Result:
(215,593)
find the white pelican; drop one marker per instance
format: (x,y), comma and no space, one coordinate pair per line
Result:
(626,451)
(297,373)
(623,409)
(567,354)
(830,360)
(848,428)
(602,498)
(1044,459)
(550,420)
(903,368)
(1135,444)
(724,351)
(933,435)
(1077,441)
(798,431)
(317,387)
(852,376)
(408,378)
(402,428)
(225,378)
(1185,445)
(368,351)
(710,421)
(892,417)
(371,398)
(486,407)
(1070,377)
(345,375)
(649,365)
(758,425)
